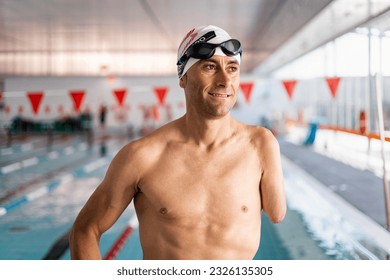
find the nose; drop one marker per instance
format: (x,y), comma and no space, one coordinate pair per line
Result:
(223,79)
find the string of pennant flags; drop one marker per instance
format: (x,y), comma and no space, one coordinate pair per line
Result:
(78,96)
(332,82)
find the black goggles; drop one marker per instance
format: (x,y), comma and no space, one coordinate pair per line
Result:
(230,47)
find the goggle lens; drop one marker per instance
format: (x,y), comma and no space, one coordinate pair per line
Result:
(206,50)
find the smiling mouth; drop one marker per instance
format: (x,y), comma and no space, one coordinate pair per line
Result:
(220,95)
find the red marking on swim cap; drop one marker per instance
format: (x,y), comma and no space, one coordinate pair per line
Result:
(185,38)
(193,36)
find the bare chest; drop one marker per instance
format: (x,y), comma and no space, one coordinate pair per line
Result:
(187,184)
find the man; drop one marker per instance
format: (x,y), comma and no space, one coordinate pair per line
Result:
(199,183)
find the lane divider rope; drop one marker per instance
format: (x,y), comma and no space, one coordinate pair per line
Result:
(20,148)
(122,239)
(36,160)
(52,185)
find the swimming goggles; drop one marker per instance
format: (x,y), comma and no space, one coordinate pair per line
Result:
(203,50)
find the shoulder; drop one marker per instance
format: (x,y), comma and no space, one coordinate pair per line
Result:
(264,136)
(264,145)
(262,141)
(150,147)
(258,136)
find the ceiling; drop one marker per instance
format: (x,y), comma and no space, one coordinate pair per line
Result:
(136,37)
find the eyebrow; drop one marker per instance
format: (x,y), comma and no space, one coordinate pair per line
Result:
(231,61)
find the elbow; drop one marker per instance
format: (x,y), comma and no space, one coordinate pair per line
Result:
(79,236)
(278,217)
(72,241)
(74,233)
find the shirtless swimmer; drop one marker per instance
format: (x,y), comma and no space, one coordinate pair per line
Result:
(199,183)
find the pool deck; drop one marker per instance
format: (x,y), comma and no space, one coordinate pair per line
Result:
(356,195)
(362,189)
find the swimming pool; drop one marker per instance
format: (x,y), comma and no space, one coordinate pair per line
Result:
(40,202)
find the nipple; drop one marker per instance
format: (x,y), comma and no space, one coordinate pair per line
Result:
(244,209)
(163,211)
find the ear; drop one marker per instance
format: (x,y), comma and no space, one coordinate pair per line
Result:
(183,81)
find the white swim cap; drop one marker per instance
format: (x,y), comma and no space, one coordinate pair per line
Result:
(206,33)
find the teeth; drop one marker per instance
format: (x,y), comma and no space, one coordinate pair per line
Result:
(219,95)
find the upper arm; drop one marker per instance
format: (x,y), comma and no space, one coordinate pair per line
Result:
(272,183)
(112,196)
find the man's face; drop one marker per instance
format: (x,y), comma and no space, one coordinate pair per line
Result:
(211,86)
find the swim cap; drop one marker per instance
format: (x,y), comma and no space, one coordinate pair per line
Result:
(206,33)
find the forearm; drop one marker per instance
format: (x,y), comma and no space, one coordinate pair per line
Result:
(84,245)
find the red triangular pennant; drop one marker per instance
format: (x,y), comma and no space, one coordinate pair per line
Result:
(35,100)
(333,84)
(246,89)
(289,86)
(161,93)
(120,95)
(77,97)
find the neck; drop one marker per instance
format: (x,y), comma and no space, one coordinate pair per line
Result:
(208,132)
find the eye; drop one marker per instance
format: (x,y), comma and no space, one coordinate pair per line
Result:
(233,69)
(210,66)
